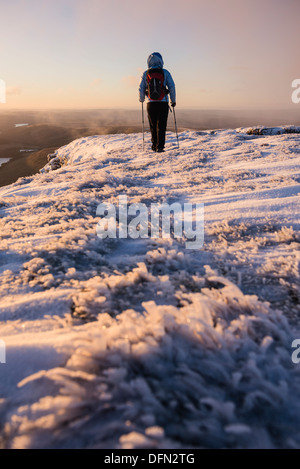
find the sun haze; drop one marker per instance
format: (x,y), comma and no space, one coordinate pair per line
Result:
(90,54)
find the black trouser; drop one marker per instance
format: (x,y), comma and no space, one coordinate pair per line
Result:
(158,117)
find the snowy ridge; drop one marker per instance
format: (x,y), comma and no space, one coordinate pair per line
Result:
(129,344)
(261,130)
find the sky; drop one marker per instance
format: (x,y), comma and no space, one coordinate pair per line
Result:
(91,53)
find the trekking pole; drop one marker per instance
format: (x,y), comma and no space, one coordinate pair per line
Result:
(143,124)
(175,126)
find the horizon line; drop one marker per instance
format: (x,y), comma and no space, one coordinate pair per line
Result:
(126,108)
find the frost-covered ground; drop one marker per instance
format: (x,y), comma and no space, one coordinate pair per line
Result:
(144,343)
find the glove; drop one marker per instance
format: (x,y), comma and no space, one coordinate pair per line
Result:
(141,101)
(173,104)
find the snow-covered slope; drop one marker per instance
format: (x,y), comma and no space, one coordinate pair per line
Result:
(143,343)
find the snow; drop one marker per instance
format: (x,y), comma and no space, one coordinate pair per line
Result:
(122,343)
(4,160)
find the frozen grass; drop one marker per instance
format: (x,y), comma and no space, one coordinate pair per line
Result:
(128,344)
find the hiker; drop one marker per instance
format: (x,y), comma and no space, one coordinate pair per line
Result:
(156,83)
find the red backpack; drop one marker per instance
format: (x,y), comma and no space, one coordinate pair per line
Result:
(155,84)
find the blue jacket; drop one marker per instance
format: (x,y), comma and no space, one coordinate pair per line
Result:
(155,61)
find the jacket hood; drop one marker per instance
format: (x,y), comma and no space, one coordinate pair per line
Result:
(155,60)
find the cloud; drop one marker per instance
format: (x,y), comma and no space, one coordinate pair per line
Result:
(13,90)
(240,68)
(131,81)
(96,82)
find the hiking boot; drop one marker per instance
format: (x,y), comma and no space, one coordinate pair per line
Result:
(160,150)
(154,147)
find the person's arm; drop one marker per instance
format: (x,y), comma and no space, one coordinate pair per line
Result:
(171,87)
(142,88)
